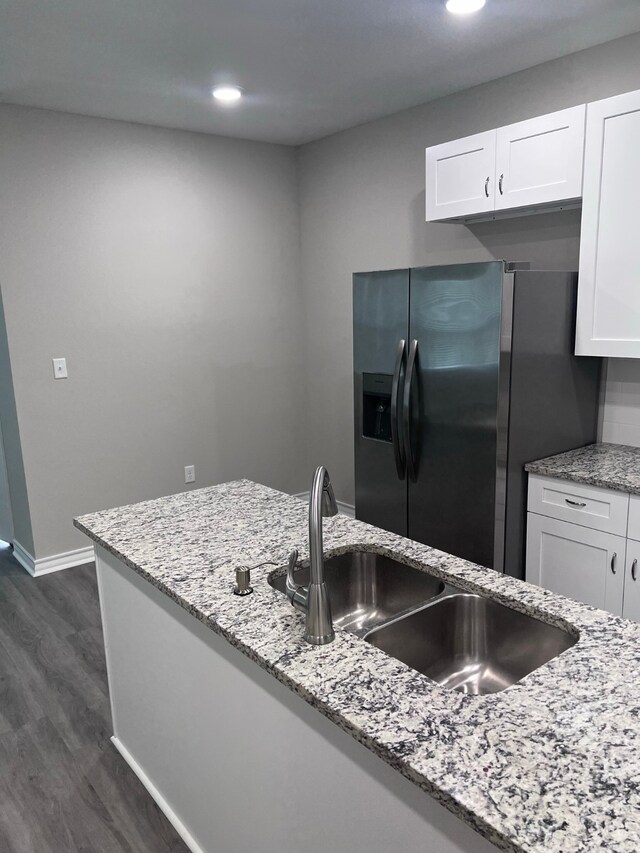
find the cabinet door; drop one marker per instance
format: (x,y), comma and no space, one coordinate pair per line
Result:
(460,177)
(608,296)
(575,561)
(631,605)
(540,161)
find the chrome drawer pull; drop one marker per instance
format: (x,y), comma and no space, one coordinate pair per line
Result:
(579,504)
(634,570)
(613,562)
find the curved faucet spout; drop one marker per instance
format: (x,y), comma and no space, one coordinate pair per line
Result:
(322,504)
(314,599)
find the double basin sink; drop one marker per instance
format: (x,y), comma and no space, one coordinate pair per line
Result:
(461,640)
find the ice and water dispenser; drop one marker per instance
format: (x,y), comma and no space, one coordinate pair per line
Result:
(376,406)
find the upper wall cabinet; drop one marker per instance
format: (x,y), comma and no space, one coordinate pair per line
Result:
(539,161)
(532,164)
(608,321)
(460,177)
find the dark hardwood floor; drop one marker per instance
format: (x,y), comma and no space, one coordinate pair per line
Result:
(63,786)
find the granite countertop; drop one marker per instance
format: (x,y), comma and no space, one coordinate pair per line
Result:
(612,466)
(550,765)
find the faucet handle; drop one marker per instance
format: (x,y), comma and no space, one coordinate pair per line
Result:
(296,593)
(292,586)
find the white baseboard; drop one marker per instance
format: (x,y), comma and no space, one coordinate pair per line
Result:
(24,558)
(160,801)
(345,509)
(54,563)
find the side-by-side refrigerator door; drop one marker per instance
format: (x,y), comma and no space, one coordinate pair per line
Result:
(380,324)
(451,405)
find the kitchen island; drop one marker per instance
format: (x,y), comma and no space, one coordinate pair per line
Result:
(207,693)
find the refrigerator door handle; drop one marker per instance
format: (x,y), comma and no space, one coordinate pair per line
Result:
(406,410)
(396,438)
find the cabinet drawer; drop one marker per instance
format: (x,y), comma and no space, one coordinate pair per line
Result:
(589,506)
(587,565)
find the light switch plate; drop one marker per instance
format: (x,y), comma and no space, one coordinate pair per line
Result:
(189,473)
(60,368)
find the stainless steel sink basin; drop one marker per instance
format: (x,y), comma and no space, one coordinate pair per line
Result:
(470,643)
(367,589)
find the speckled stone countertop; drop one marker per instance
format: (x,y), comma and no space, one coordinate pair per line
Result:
(612,466)
(550,765)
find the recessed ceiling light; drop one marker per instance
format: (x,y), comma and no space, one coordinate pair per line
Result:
(227,94)
(464,7)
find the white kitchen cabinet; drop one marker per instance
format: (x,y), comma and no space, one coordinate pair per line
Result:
(534,164)
(579,562)
(631,604)
(584,542)
(540,160)
(608,321)
(461,177)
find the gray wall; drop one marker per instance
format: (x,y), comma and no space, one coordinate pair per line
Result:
(164,266)
(362,208)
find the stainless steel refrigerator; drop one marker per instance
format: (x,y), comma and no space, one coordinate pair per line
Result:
(461,375)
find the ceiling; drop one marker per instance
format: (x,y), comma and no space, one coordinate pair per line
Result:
(309,68)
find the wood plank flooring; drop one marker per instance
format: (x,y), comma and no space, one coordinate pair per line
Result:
(63,786)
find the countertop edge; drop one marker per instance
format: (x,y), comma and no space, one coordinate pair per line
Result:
(588,479)
(605,465)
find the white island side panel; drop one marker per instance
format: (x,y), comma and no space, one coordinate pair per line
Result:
(238,762)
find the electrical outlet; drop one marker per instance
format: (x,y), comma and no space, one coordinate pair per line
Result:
(189,473)
(59,368)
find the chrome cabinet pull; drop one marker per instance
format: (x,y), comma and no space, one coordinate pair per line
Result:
(613,562)
(395,434)
(486,188)
(500,182)
(634,570)
(579,504)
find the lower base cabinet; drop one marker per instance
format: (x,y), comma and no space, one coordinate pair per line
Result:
(578,562)
(583,541)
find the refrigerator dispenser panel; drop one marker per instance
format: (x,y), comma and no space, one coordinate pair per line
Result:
(376,406)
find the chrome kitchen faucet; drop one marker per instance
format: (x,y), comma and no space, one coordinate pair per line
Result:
(314,598)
